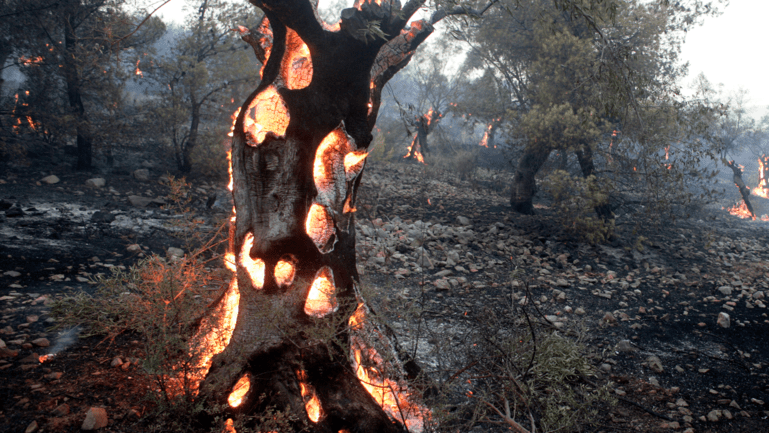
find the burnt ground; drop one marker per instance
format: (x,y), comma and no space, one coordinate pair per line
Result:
(649,315)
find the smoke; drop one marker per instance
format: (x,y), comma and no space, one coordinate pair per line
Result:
(64,340)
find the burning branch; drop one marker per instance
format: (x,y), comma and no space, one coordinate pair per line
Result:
(744,190)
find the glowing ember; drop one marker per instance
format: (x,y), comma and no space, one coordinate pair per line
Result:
(284,272)
(239,391)
(229,168)
(321,300)
(30,61)
(139,71)
(45,358)
(319,226)
(311,400)
(234,118)
(254,268)
(369,366)
(353,164)
(266,114)
(329,162)
(296,67)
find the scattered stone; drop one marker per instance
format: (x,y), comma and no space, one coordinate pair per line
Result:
(12,274)
(61,410)
(95,418)
(655,363)
(32,427)
(442,284)
(41,342)
(579,311)
(134,248)
(96,182)
(142,175)
(714,415)
(174,253)
(32,319)
(723,320)
(116,362)
(139,201)
(626,346)
(50,180)
(463,220)
(725,290)
(609,318)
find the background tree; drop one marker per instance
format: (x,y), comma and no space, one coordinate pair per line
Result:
(200,76)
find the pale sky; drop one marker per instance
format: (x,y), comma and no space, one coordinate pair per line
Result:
(732,50)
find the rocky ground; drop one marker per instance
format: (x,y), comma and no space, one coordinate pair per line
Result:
(679,328)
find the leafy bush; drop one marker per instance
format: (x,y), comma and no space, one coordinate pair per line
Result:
(575,200)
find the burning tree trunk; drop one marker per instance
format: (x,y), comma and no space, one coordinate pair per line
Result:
(424,125)
(762,190)
(740,184)
(291,330)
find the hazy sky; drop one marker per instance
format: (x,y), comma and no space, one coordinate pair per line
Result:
(731,49)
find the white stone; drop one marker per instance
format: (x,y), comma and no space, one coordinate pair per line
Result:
(50,180)
(96,182)
(724,320)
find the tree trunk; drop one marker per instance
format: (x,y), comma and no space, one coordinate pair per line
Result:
(740,184)
(187,145)
(585,158)
(524,180)
(72,79)
(301,340)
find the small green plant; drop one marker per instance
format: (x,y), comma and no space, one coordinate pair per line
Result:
(575,200)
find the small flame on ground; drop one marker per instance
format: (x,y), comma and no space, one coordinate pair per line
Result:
(321,299)
(485,140)
(741,211)
(45,358)
(239,391)
(229,426)
(138,71)
(311,400)
(254,268)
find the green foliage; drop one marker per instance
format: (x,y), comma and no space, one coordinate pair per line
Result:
(575,200)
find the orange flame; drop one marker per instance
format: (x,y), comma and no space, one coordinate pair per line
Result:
(416,153)
(762,190)
(485,140)
(296,66)
(311,400)
(30,61)
(234,118)
(254,268)
(353,163)
(284,272)
(321,300)
(741,211)
(393,397)
(239,391)
(267,113)
(139,71)
(319,225)
(329,160)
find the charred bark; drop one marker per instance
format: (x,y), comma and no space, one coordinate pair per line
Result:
(740,184)
(524,180)
(298,152)
(74,93)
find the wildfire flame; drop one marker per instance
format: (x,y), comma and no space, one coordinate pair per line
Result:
(485,140)
(311,400)
(284,272)
(139,71)
(44,358)
(239,391)
(416,153)
(266,114)
(319,226)
(762,190)
(296,66)
(254,268)
(369,367)
(321,300)
(30,61)
(741,211)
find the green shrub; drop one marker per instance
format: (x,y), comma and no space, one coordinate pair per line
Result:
(575,200)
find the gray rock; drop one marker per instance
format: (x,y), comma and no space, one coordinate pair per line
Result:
(724,320)
(50,180)
(441,284)
(725,290)
(625,346)
(714,415)
(134,248)
(96,182)
(142,175)
(444,273)
(174,253)
(655,363)
(139,201)
(463,220)
(95,418)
